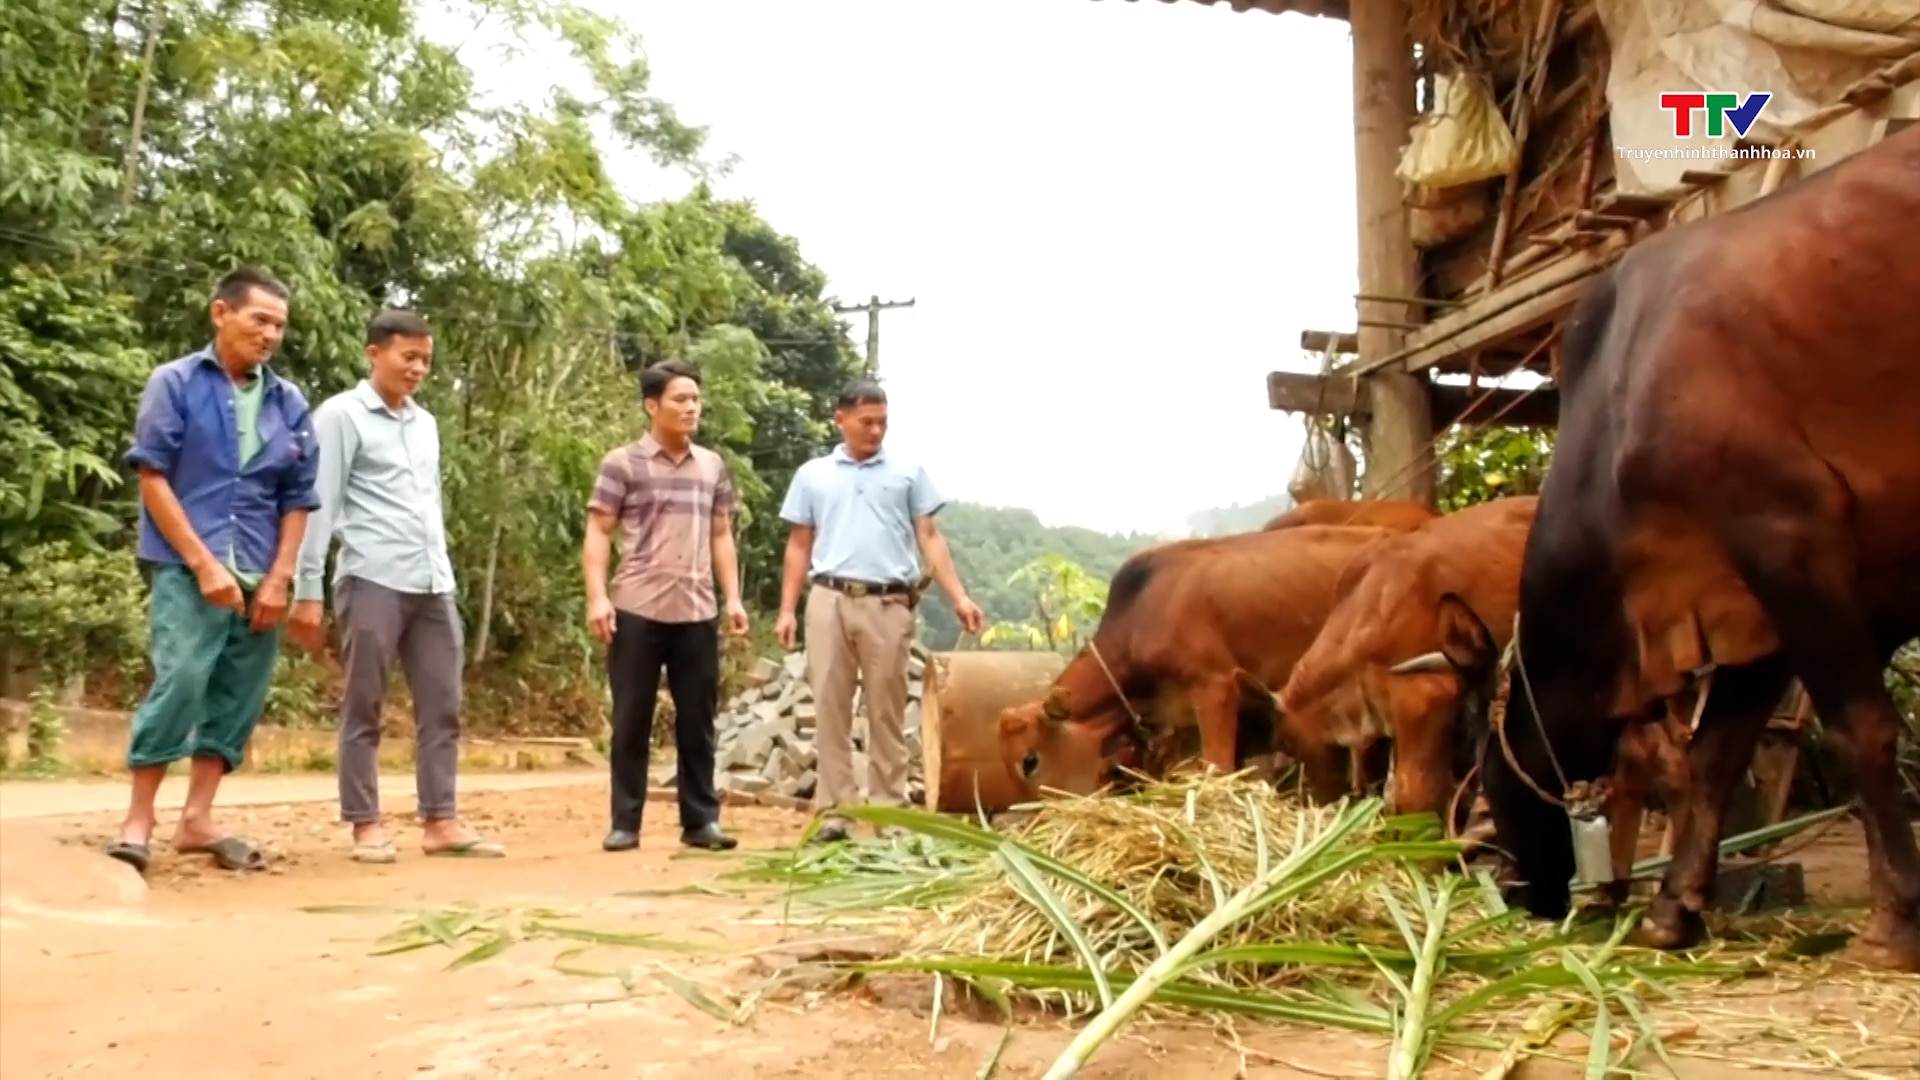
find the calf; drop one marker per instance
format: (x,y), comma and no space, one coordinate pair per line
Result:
(1347,692)
(1181,620)
(1735,490)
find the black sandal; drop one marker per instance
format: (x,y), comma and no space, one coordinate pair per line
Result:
(230,853)
(135,855)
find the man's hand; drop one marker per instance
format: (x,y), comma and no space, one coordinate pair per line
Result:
(786,629)
(269,602)
(972,619)
(736,618)
(219,589)
(600,620)
(306,625)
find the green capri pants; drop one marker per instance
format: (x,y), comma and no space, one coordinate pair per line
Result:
(211,674)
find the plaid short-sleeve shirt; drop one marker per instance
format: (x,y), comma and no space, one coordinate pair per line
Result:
(665,507)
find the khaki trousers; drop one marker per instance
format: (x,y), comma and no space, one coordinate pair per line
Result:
(865,642)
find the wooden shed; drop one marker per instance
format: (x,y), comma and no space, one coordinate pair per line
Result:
(1476,279)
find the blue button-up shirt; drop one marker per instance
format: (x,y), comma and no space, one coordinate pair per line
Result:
(186,432)
(862,515)
(380,490)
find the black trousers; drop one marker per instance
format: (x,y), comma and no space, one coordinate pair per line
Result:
(690,652)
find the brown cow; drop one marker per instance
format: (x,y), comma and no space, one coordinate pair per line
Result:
(1345,692)
(1181,620)
(1396,514)
(1736,489)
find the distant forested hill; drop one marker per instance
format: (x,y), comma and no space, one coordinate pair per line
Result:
(990,543)
(1224,520)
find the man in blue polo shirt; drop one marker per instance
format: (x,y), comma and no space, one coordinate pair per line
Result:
(227,465)
(861,524)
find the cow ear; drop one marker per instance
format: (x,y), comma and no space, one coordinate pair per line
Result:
(1464,639)
(1056,704)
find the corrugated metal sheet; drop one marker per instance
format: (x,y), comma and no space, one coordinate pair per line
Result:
(1332,9)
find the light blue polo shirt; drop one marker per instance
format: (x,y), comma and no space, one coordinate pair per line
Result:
(862,515)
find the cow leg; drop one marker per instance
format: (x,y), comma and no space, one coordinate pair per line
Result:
(1626,809)
(1803,579)
(1216,702)
(1650,760)
(1737,709)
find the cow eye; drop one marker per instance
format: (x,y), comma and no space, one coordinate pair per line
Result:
(1030,764)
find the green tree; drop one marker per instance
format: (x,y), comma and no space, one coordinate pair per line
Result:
(147,148)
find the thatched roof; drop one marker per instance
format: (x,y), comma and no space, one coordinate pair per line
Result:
(1332,9)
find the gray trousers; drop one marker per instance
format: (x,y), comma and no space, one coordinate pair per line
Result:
(423,631)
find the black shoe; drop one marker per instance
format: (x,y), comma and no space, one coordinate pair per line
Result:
(832,832)
(709,837)
(620,840)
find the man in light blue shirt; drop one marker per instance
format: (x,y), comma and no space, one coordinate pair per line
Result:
(861,524)
(393,589)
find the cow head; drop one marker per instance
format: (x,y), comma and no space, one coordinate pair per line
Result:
(1044,747)
(1533,833)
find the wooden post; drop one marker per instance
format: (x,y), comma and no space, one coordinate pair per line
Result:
(1399,435)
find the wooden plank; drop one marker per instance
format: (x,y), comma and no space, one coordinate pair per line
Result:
(1537,299)
(1334,341)
(1318,395)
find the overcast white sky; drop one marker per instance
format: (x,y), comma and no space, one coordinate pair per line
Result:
(1115,217)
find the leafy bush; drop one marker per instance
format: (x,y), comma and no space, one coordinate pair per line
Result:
(67,609)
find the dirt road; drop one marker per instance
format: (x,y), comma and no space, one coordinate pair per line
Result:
(32,799)
(213,974)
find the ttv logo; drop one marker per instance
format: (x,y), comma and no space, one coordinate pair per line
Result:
(1721,109)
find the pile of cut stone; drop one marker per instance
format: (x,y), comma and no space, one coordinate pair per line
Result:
(765,735)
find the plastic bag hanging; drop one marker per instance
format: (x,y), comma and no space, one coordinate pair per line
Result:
(1462,141)
(1326,465)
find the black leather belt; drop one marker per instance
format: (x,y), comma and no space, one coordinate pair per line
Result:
(858,589)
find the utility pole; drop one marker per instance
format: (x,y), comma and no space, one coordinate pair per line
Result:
(873,307)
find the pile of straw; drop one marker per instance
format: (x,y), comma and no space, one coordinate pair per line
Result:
(1175,851)
(1221,896)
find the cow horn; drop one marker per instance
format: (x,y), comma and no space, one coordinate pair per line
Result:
(1424,664)
(1055,708)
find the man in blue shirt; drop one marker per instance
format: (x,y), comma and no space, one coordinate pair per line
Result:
(226,456)
(861,523)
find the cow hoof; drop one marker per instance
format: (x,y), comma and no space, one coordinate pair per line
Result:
(1670,925)
(1890,943)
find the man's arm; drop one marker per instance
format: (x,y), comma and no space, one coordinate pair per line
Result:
(332,447)
(603,510)
(726,553)
(593,553)
(156,494)
(159,429)
(926,501)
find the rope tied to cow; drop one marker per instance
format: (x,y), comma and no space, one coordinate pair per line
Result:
(1137,726)
(1511,662)
(1581,799)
